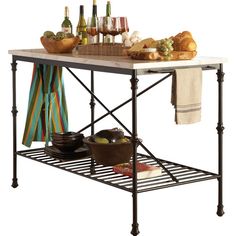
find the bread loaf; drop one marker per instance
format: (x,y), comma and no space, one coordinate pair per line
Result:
(184,42)
(183,55)
(145,55)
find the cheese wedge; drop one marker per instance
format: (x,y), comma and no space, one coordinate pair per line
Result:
(139,46)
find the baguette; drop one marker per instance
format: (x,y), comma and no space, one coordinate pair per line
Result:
(183,55)
(175,55)
(145,55)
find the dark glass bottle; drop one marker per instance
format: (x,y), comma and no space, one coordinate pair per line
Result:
(82,27)
(66,25)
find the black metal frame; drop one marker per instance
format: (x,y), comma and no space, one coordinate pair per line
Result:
(174,174)
(14,115)
(220,129)
(117,120)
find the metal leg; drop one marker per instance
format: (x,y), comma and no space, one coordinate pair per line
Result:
(220,129)
(92,106)
(134,87)
(14,114)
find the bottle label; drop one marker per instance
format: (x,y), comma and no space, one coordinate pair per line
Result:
(66,30)
(80,36)
(93,39)
(84,41)
(83,38)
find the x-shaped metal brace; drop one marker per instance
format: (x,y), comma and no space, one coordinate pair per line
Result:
(110,112)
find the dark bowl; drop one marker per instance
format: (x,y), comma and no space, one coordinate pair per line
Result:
(67,142)
(67,136)
(67,146)
(111,153)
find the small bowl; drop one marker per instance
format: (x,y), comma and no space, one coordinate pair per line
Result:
(68,146)
(59,46)
(67,136)
(68,141)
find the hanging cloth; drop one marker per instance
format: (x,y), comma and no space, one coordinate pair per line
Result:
(47,109)
(187,95)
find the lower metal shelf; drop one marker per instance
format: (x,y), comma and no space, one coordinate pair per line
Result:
(104,174)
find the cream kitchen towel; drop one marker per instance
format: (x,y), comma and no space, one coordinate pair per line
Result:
(186,95)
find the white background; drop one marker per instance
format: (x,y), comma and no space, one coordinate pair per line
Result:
(49,201)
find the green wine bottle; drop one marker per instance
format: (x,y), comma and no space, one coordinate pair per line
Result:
(108,9)
(92,27)
(66,25)
(108,37)
(82,27)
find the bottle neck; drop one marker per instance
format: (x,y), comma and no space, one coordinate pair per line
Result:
(94,13)
(66,12)
(81,11)
(108,8)
(82,22)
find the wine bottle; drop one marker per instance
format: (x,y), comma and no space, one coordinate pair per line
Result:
(66,25)
(108,37)
(82,27)
(93,36)
(108,9)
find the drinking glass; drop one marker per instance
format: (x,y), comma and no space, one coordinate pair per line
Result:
(92,29)
(115,26)
(123,25)
(104,25)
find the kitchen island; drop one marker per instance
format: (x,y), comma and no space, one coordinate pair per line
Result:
(174,174)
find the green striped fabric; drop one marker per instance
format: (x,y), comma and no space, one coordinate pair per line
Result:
(47,109)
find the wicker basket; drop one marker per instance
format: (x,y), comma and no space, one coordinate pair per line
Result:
(109,154)
(103,49)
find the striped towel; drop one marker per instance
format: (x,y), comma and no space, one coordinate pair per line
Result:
(186,95)
(47,110)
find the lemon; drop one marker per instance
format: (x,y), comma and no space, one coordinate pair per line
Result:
(122,140)
(101,140)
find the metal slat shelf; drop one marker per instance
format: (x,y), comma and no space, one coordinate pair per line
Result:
(105,174)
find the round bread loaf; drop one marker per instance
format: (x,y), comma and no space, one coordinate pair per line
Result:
(184,42)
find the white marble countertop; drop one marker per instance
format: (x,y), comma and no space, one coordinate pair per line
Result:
(123,62)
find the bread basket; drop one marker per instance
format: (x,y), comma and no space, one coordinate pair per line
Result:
(59,46)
